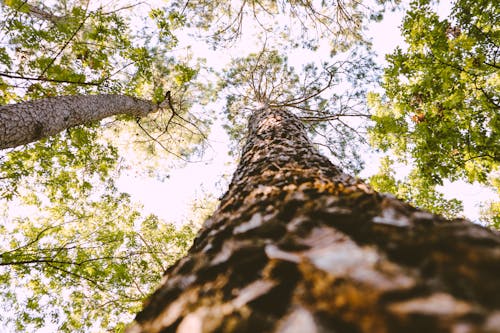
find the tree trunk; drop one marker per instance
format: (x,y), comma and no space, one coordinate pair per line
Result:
(298,246)
(30,121)
(34,11)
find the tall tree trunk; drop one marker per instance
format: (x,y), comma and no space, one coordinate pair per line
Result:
(298,246)
(30,121)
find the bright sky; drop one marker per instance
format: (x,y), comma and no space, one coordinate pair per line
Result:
(172,198)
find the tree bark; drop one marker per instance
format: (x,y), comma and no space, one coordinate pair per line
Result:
(30,121)
(35,11)
(298,246)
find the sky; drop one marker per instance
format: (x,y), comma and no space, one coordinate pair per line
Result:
(172,199)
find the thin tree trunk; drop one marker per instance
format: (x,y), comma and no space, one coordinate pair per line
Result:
(298,246)
(30,121)
(34,11)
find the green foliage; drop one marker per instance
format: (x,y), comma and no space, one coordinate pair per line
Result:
(415,190)
(84,265)
(298,23)
(71,51)
(65,165)
(184,74)
(166,22)
(490,211)
(440,108)
(68,232)
(75,253)
(69,48)
(441,94)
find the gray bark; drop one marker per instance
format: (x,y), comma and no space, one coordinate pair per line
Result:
(297,246)
(37,12)
(30,121)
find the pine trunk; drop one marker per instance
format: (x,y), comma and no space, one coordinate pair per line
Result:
(30,121)
(298,246)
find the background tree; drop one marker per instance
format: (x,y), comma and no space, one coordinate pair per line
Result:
(24,123)
(440,108)
(90,49)
(66,229)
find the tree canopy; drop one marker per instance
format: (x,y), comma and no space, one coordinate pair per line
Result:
(76,253)
(440,108)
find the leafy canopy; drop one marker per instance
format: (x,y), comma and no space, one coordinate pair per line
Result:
(441,94)
(75,253)
(298,23)
(414,189)
(440,108)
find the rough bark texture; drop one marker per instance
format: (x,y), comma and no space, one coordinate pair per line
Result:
(30,121)
(298,246)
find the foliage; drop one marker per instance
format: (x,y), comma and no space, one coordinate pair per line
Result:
(75,253)
(415,190)
(327,96)
(52,163)
(441,94)
(83,266)
(75,53)
(440,108)
(298,23)
(68,231)
(490,211)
